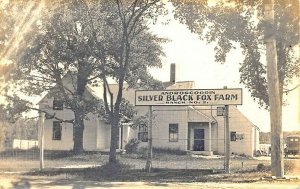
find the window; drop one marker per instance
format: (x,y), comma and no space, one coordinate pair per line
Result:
(58,104)
(56,130)
(296,140)
(173,132)
(220,111)
(143,133)
(291,139)
(233,136)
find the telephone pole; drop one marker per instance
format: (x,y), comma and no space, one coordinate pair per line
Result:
(277,168)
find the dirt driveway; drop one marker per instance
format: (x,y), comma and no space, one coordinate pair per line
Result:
(58,183)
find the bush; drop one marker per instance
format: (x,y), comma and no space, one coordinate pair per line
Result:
(262,167)
(169,151)
(110,171)
(142,152)
(289,167)
(132,146)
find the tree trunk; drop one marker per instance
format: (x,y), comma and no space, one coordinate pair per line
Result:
(277,167)
(78,134)
(114,138)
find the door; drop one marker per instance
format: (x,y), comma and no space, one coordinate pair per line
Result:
(198,140)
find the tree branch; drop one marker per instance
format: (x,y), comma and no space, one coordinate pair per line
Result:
(52,116)
(289,90)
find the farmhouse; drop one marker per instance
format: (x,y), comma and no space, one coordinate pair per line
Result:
(59,135)
(197,129)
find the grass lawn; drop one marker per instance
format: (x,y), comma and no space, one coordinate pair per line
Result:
(179,168)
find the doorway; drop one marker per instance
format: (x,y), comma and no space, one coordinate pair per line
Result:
(196,136)
(198,140)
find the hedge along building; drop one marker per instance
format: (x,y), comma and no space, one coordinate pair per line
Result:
(194,128)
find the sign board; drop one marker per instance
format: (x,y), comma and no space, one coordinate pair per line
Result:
(189,97)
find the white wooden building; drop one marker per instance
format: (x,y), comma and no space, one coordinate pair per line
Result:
(190,128)
(59,135)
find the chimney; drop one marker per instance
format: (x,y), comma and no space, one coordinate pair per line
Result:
(173,73)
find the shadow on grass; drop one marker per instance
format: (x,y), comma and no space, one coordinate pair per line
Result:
(123,173)
(112,176)
(48,182)
(21,184)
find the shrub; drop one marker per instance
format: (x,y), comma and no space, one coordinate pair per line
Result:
(110,171)
(262,167)
(289,167)
(142,152)
(132,146)
(169,151)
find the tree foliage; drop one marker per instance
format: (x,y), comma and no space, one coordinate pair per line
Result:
(233,24)
(87,43)
(136,50)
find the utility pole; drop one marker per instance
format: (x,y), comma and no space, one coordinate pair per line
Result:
(149,156)
(277,167)
(227,139)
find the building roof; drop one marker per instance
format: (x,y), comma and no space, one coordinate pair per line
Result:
(179,85)
(293,135)
(66,78)
(198,111)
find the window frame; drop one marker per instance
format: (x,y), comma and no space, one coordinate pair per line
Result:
(56,136)
(143,133)
(58,104)
(233,136)
(173,136)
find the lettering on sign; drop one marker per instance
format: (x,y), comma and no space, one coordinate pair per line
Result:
(189,97)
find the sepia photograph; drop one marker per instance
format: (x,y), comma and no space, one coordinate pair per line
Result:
(149,94)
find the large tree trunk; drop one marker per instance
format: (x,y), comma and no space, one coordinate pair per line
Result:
(78,134)
(114,138)
(79,110)
(277,167)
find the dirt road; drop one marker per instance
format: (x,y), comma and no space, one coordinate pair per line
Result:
(58,183)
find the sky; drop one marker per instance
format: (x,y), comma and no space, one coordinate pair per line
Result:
(194,61)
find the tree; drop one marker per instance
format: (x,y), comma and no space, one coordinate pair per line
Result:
(59,48)
(87,42)
(129,24)
(240,21)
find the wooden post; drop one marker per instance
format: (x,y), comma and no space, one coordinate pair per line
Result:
(209,137)
(41,140)
(277,168)
(227,139)
(149,156)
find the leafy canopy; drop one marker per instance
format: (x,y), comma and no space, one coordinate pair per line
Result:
(228,22)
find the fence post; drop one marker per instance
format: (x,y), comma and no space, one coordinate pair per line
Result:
(41,140)
(149,156)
